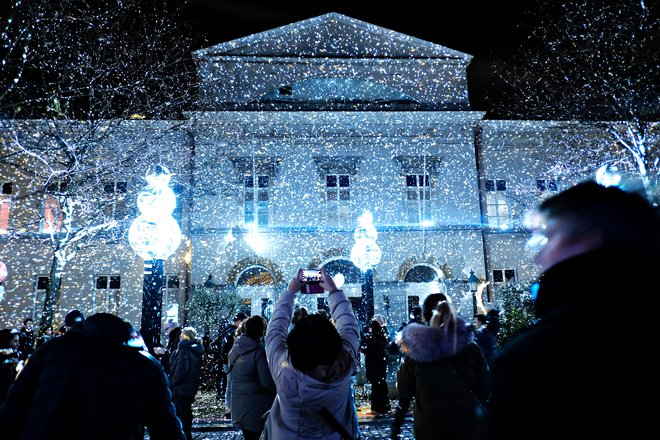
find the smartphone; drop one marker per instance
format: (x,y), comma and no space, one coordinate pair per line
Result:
(312,278)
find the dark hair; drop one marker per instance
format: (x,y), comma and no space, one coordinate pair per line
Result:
(73,317)
(313,341)
(481,318)
(621,219)
(299,314)
(429,305)
(6,335)
(254,327)
(240,316)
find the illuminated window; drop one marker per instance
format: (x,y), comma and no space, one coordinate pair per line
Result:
(51,216)
(338,200)
(497,208)
(256,200)
(504,275)
(5,205)
(108,293)
(418,198)
(171,298)
(114,200)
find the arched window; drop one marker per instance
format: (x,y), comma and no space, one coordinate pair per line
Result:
(421,273)
(255,276)
(352,275)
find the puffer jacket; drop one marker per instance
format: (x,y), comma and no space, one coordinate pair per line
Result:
(252,386)
(89,384)
(186,368)
(448,378)
(295,414)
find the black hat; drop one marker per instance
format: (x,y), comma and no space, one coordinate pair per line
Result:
(73,317)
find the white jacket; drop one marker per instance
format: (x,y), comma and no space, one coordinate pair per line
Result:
(295,412)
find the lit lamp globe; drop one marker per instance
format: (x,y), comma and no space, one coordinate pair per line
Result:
(366,254)
(154,240)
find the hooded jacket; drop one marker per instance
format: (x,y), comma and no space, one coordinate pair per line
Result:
(89,384)
(447,377)
(295,414)
(252,386)
(186,368)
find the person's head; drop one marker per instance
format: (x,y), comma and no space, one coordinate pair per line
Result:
(298,314)
(171,325)
(589,216)
(313,341)
(188,334)
(324,313)
(240,317)
(254,327)
(429,304)
(27,323)
(380,319)
(444,318)
(9,338)
(74,317)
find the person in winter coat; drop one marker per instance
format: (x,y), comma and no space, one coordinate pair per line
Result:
(374,346)
(26,339)
(10,359)
(94,382)
(253,388)
(598,248)
(185,375)
(312,367)
(447,375)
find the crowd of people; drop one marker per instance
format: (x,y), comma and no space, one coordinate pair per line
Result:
(293,376)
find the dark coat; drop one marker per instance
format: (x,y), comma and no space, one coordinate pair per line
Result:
(252,386)
(560,377)
(440,376)
(186,368)
(374,346)
(88,385)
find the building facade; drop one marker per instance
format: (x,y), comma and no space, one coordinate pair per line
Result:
(299,131)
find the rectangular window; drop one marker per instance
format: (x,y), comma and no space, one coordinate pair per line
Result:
(114,200)
(51,216)
(546,185)
(41,285)
(497,208)
(7,188)
(171,298)
(504,275)
(5,210)
(108,293)
(418,198)
(338,200)
(256,200)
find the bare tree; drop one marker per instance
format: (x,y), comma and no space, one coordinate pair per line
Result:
(596,63)
(85,87)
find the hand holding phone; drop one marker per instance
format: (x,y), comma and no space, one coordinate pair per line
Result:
(311,281)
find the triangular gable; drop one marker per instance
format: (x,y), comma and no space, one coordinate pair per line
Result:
(332,35)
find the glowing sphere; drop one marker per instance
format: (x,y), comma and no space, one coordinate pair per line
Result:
(608,175)
(154,239)
(366,255)
(3,271)
(156,200)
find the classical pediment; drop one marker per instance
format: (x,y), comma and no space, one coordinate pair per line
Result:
(332,35)
(332,62)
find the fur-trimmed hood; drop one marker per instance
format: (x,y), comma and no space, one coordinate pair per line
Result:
(423,343)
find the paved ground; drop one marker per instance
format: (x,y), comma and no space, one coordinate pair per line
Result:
(371,428)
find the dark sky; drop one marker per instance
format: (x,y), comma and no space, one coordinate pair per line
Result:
(484,29)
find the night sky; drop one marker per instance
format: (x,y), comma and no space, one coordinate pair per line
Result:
(486,30)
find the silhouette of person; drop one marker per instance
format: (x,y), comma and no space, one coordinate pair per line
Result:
(598,242)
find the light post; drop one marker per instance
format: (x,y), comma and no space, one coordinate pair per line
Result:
(473,281)
(154,235)
(366,254)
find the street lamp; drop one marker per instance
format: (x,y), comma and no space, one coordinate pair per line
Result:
(365,255)
(154,235)
(473,281)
